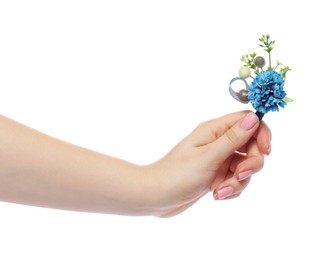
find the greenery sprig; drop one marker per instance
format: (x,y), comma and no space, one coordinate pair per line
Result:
(248,59)
(256,63)
(267,45)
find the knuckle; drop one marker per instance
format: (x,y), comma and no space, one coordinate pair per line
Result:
(232,136)
(203,125)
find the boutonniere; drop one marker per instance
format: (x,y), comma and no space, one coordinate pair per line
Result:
(266,90)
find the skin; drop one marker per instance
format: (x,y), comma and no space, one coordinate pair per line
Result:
(39,170)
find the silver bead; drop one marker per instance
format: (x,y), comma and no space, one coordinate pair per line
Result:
(243,95)
(259,62)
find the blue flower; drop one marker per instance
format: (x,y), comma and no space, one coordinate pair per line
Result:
(266,92)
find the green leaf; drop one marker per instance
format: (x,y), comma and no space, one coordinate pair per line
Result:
(253,55)
(287,99)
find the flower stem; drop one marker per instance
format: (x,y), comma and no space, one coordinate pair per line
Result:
(259,114)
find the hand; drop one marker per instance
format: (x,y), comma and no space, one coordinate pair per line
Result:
(219,156)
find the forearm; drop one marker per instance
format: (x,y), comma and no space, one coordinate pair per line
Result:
(36,169)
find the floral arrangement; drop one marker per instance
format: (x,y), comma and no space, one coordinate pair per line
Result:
(266,91)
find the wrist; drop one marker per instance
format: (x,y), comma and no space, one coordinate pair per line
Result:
(134,190)
(159,190)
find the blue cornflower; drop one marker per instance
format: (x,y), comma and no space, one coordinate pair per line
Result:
(266,92)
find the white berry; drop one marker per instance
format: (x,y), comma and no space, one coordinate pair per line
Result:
(244,72)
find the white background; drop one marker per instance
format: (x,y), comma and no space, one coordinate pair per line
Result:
(132,78)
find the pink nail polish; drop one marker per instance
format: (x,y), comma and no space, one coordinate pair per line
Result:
(223,193)
(249,121)
(269,150)
(244,175)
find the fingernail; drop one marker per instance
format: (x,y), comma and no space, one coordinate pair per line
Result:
(249,121)
(269,150)
(223,193)
(244,175)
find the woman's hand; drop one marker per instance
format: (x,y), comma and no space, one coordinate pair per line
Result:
(219,156)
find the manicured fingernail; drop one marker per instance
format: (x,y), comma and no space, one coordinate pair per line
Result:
(269,150)
(223,193)
(244,175)
(249,121)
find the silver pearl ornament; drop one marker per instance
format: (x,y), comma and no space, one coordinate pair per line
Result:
(243,95)
(259,62)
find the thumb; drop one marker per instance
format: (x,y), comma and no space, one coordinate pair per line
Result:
(235,137)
